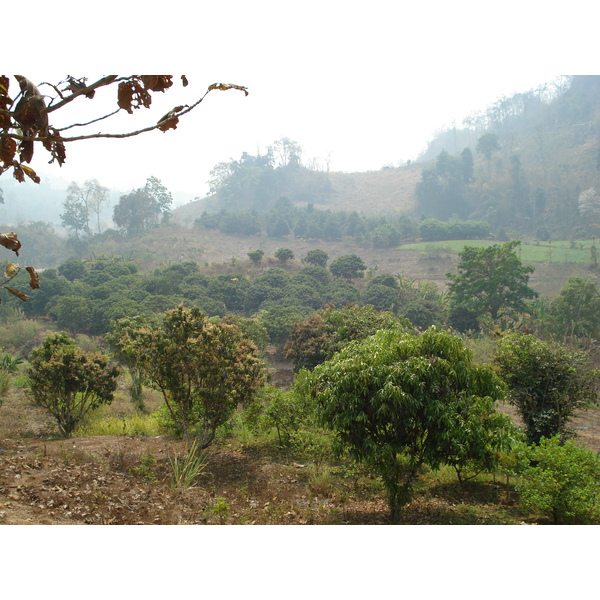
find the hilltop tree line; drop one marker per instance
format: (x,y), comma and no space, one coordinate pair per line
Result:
(530,164)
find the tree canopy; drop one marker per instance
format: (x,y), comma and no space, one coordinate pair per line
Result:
(546,382)
(397,401)
(491,281)
(202,369)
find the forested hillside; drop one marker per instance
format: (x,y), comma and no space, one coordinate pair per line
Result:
(526,165)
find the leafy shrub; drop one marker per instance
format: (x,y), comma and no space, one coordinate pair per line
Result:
(562,482)
(69,383)
(202,369)
(546,383)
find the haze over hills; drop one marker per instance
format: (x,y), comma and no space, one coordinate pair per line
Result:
(521,165)
(546,155)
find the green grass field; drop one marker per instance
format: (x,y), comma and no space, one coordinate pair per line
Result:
(561,251)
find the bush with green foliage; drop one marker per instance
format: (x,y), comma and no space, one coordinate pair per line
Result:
(562,482)
(576,310)
(327,331)
(398,402)
(316,257)
(432,230)
(68,382)
(491,283)
(8,368)
(202,369)
(546,382)
(256,256)
(284,254)
(348,266)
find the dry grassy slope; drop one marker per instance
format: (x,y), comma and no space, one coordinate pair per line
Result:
(370,192)
(375,191)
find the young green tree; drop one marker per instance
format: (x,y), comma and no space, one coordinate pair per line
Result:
(327,331)
(397,402)
(284,254)
(202,369)
(562,482)
(491,282)
(68,382)
(487,144)
(256,256)
(73,313)
(162,196)
(348,266)
(136,211)
(546,383)
(125,329)
(576,310)
(316,257)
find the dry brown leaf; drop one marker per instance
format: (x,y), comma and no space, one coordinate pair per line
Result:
(170,120)
(131,94)
(157,83)
(30,111)
(17,293)
(26,150)
(11,270)
(227,86)
(76,85)
(5,101)
(10,241)
(31,173)
(56,149)
(34,280)
(8,148)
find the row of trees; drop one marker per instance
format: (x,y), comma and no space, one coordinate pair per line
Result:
(284,219)
(383,231)
(489,289)
(137,211)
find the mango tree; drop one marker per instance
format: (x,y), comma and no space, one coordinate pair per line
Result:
(398,401)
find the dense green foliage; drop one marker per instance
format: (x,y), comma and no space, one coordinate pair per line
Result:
(492,282)
(562,482)
(576,310)
(327,331)
(546,382)
(68,382)
(398,401)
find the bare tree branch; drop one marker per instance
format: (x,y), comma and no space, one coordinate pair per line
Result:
(100,83)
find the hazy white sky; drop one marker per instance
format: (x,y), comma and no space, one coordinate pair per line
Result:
(365,84)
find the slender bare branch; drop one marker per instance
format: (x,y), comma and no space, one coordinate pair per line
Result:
(86,90)
(53,138)
(90,122)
